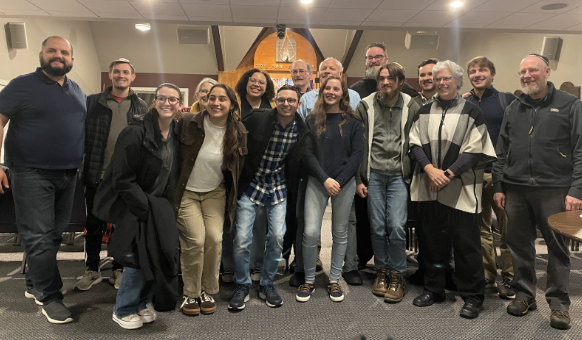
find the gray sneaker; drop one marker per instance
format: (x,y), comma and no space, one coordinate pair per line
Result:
(115,278)
(88,280)
(56,312)
(31,293)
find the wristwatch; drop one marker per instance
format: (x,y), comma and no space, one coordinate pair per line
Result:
(447,174)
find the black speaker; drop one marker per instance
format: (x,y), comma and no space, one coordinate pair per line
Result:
(16,35)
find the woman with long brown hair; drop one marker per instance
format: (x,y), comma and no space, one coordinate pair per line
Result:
(333,154)
(212,146)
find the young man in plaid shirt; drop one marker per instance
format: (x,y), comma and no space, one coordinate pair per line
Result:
(269,180)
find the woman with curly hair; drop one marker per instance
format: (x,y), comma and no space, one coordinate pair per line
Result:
(255,90)
(212,146)
(333,154)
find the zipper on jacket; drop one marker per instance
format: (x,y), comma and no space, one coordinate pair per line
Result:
(440,130)
(529,146)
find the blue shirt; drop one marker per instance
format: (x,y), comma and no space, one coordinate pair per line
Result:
(47,122)
(268,186)
(308,101)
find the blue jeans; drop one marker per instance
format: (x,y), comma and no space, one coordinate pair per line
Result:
(134,293)
(316,198)
(245,218)
(388,211)
(227,256)
(259,237)
(43,201)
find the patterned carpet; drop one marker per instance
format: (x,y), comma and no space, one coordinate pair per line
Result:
(361,313)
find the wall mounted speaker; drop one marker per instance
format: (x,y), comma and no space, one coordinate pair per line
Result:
(16,35)
(193,35)
(551,48)
(421,40)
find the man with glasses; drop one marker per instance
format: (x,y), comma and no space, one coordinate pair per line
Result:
(108,113)
(301,76)
(269,180)
(383,177)
(538,176)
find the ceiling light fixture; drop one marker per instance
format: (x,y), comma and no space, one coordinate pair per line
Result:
(143,27)
(456,4)
(306,1)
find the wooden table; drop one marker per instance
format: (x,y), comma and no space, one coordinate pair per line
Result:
(568,223)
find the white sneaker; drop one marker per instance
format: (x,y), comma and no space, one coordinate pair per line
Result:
(115,278)
(148,314)
(31,294)
(88,280)
(132,321)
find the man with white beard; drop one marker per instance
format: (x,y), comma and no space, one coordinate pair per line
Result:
(540,175)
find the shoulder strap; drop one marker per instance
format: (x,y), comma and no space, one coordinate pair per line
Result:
(503,100)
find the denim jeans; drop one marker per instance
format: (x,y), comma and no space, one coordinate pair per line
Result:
(259,237)
(227,256)
(316,198)
(43,201)
(245,218)
(351,258)
(134,293)
(387,207)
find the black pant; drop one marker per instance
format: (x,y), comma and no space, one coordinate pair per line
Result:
(445,228)
(365,252)
(94,228)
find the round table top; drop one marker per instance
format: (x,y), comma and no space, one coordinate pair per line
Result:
(568,223)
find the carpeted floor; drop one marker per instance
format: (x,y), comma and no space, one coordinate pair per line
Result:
(361,313)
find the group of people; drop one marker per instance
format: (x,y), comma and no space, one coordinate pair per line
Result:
(244,178)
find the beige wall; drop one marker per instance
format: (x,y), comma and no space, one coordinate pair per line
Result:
(86,70)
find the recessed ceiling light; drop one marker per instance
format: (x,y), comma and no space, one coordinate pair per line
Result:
(306,1)
(456,4)
(558,5)
(143,27)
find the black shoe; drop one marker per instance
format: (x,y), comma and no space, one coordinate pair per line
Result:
(519,307)
(417,278)
(292,267)
(505,290)
(270,295)
(56,312)
(470,310)
(426,299)
(353,278)
(239,297)
(297,279)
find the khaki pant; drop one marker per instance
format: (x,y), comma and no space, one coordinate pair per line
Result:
(487,245)
(200,220)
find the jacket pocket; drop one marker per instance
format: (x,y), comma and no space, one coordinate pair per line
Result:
(517,162)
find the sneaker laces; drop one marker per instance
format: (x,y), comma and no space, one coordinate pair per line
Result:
(506,283)
(561,313)
(269,289)
(395,281)
(186,300)
(239,291)
(381,278)
(206,298)
(335,288)
(305,288)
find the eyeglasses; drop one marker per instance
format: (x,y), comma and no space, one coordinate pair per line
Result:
(528,70)
(288,100)
(298,71)
(203,91)
(372,57)
(445,79)
(171,100)
(255,81)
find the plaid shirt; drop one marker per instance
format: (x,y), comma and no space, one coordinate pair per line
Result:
(268,185)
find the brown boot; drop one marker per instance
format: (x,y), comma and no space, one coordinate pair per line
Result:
(381,283)
(395,290)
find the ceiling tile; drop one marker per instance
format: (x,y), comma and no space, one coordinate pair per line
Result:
(368,4)
(574,28)
(206,2)
(314,4)
(435,16)
(267,21)
(259,12)
(120,15)
(339,23)
(158,9)
(537,7)
(346,14)
(459,24)
(108,6)
(507,6)
(255,2)
(424,24)
(196,10)
(507,25)
(17,5)
(155,16)
(481,17)
(83,14)
(147,1)
(382,24)
(405,4)
(287,13)
(402,15)
(522,19)
(563,20)
(59,5)
(211,19)
(20,12)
